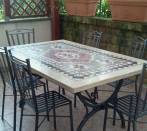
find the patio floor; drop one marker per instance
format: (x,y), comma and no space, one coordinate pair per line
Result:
(94,124)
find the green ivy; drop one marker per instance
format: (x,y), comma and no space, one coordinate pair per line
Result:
(103,9)
(62,9)
(1,12)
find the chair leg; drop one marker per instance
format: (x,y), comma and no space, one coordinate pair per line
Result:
(48,118)
(134,125)
(36,122)
(21,118)
(96,95)
(122,119)
(54,117)
(3,102)
(129,123)
(114,112)
(105,119)
(75,100)
(59,90)
(15,110)
(46,97)
(71,117)
(47,86)
(136,85)
(54,112)
(114,117)
(63,91)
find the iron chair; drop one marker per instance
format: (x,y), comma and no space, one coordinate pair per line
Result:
(5,75)
(137,49)
(92,38)
(4,87)
(133,106)
(39,103)
(20,36)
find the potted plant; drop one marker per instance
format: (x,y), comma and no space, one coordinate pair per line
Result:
(129,10)
(81,7)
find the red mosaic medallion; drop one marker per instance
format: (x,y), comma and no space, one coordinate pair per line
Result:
(66,55)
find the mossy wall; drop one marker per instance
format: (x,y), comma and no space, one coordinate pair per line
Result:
(116,34)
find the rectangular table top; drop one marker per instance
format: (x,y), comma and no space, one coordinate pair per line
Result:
(77,67)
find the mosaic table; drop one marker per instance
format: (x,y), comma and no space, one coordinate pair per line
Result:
(77,67)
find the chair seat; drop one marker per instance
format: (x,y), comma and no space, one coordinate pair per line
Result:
(126,82)
(124,102)
(51,96)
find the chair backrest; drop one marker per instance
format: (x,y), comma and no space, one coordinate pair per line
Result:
(136,48)
(22,75)
(5,74)
(141,103)
(2,75)
(91,38)
(20,36)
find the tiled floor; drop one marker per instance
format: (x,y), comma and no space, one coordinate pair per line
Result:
(94,124)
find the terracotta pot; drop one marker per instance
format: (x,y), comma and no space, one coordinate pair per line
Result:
(129,10)
(81,7)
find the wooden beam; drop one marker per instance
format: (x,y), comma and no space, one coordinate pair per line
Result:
(7,9)
(55,21)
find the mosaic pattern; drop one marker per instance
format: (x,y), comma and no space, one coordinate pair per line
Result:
(75,61)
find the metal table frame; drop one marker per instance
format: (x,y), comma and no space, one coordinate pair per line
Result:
(95,107)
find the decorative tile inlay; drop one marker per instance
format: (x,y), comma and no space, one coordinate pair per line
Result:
(73,60)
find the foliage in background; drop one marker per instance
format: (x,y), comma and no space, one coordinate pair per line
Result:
(62,9)
(103,9)
(1,10)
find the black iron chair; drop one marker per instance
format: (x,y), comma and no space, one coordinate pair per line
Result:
(43,102)
(7,81)
(5,77)
(133,106)
(137,49)
(92,38)
(20,36)
(4,87)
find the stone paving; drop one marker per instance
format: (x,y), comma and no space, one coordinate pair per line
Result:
(94,124)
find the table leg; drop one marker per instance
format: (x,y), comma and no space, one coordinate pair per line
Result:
(15,111)
(85,119)
(98,106)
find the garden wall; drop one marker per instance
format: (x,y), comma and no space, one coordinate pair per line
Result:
(116,34)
